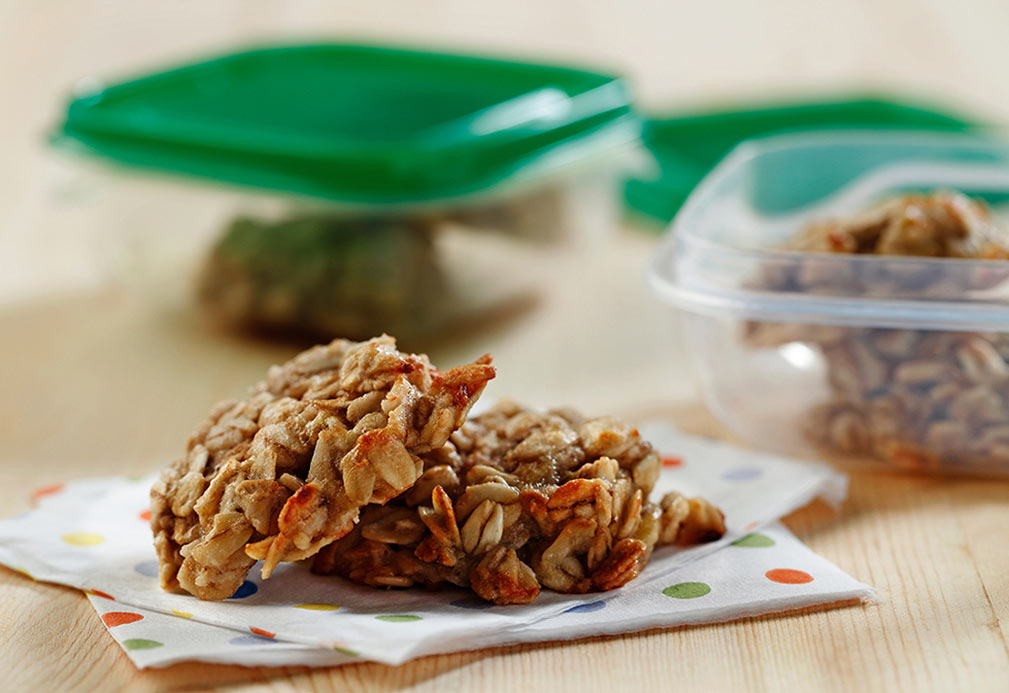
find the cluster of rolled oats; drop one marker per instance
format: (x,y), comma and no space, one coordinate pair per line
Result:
(922,400)
(918,398)
(285,472)
(940,224)
(520,500)
(359,454)
(326,274)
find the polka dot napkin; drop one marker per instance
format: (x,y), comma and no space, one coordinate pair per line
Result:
(93,535)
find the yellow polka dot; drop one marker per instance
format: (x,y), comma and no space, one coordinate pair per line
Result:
(318,607)
(183,614)
(83,539)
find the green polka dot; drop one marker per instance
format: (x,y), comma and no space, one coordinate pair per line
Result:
(687,590)
(345,651)
(754,541)
(398,618)
(141,644)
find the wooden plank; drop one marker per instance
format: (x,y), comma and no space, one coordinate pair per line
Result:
(97,383)
(934,548)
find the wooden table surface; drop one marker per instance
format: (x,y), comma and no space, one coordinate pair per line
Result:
(94,380)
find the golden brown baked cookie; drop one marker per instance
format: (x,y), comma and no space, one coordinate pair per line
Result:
(283,473)
(939,224)
(920,399)
(520,500)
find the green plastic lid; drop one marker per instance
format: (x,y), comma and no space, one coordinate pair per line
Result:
(353,123)
(688,146)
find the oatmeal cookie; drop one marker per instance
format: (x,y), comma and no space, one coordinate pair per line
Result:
(920,399)
(939,224)
(317,274)
(520,500)
(283,473)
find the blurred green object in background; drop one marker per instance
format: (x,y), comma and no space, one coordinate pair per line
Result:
(688,146)
(386,126)
(354,123)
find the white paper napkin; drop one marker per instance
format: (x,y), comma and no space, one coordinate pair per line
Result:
(724,586)
(93,535)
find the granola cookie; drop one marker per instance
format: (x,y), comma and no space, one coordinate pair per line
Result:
(281,474)
(520,500)
(320,274)
(920,399)
(939,224)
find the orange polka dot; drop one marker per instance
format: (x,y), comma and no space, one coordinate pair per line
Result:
(145,515)
(260,631)
(752,525)
(99,593)
(46,491)
(671,461)
(118,618)
(787,576)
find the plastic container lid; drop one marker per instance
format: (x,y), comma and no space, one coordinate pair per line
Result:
(688,146)
(354,123)
(732,227)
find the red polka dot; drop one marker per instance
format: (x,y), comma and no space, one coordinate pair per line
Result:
(671,461)
(787,576)
(118,618)
(99,593)
(46,491)
(260,631)
(145,515)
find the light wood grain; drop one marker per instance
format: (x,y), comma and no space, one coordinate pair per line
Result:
(93,381)
(100,385)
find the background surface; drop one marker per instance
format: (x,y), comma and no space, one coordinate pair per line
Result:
(93,381)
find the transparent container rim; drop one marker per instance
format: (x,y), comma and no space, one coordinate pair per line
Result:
(797,307)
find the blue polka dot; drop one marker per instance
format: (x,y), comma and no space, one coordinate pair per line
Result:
(247,589)
(471,603)
(251,640)
(147,568)
(586,608)
(742,474)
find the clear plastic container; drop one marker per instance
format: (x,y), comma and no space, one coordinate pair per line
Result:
(348,189)
(156,236)
(904,360)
